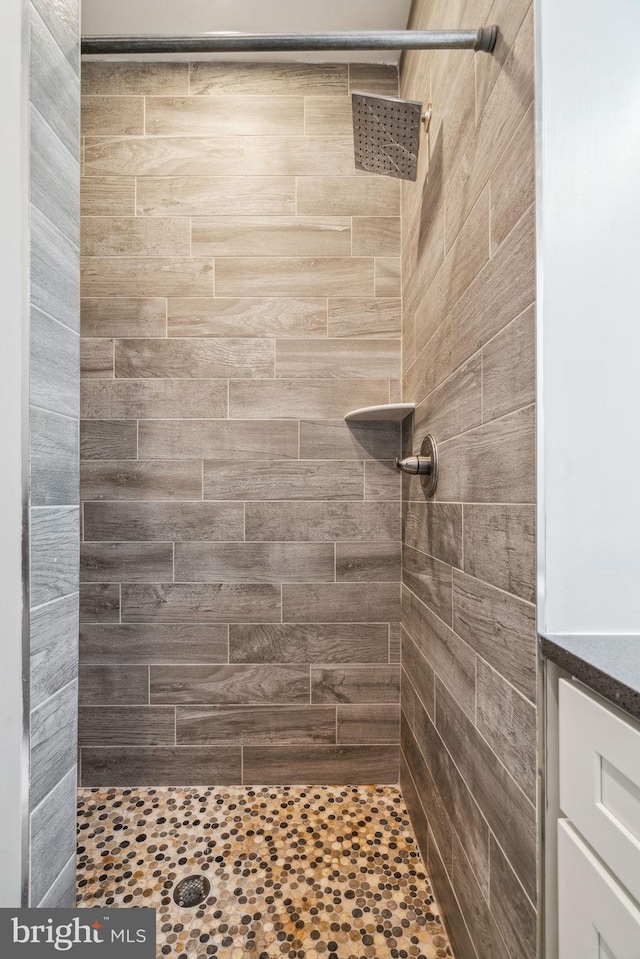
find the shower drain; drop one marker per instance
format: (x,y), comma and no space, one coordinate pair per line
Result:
(191,891)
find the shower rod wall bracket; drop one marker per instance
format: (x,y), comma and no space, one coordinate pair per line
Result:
(483,40)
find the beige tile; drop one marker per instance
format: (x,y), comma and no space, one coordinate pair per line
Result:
(111,78)
(160,276)
(108,440)
(248,316)
(388,276)
(122,480)
(513,181)
(508,368)
(108,196)
(163,156)
(264,236)
(380,78)
(283,480)
(199,439)
(382,480)
(225,116)
(299,156)
(365,317)
(510,17)
(376,235)
(124,316)
(194,358)
(153,399)
(368,562)
(500,547)
(328,116)
(135,236)
(294,276)
(348,196)
(207,196)
(275,399)
(112,116)
(177,522)
(201,603)
(96,358)
(337,440)
(322,522)
(269,79)
(255,562)
(343,603)
(357,358)
(430,580)
(453,407)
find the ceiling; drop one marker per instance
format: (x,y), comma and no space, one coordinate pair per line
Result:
(187,17)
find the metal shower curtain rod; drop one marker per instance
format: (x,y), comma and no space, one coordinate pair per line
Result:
(483,39)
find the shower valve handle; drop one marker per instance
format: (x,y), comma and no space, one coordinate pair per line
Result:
(415,465)
(425,464)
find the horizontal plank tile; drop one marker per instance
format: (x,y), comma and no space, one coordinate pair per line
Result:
(283,480)
(113,685)
(163,156)
(123,316)
(159,276)
(320,764)
(365,317)
(111,78)
(155,480)
(97,358)
(126,726)
(376,236)
(54,553)
(436,529)
(269,79)
(215,195)
(509,368)
(429,579)
(54,734)
(299,156)
(294,276)
(254,562)
(225,116)
(124,643)
(365,723)
(138,522)
(99,603)
(287,398)
(269,235)
(153,399)
(112,116)
(327,116)
(253,725)
(160,765)
(380,78)
(368,562)
(337,440)
(348,196)
(388,276)
(189,439)
(341,603)
(382,480)
(355,684)
(453,407)
(108,196)
(227,685)
(54,459)
(201,603)
(310,643)
(53,659)
(131,562)
(108,440)
(326,522)
(494,463)
(500,547)
(247,316)
(195,357)
(135,236)
(353,358)
(500,627)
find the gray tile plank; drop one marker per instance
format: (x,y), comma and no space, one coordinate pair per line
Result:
(514,914)
(108,440)
(131,562)
(283,480)
(367,316)
(287,398)
(477,914)
(230,685)
(430,580)
(246,316)
(509,368)
(54,178)
(113,685)
(362,522)
(121,316)
(368,562)
(55,351)
(54,648)
(161,766)
(320,764)
(418,673)
(337,440)
(126,522)
(54,272)
(341,603)
(199,439)
(434,528)
(54,735)
(348,358)
(62,894)
(355,684)
(309,643)
(255,725)
(382,480)
(151,480)
(96,358)
(113,78)
(193,357)
(369,723)
(500,547)
(201,603)
(153,399)
(254,562)
(126,643)
(54,459)
(53,837)
(453,407)
(54,553)
(126,726)
(61,17)
(99,603)
(53,82)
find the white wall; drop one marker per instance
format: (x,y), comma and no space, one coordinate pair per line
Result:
(13,188)
(589,315)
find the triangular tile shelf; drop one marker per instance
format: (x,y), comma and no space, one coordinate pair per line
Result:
(391,412)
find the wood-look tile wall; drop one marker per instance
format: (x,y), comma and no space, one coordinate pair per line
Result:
(468,766)
(241,546)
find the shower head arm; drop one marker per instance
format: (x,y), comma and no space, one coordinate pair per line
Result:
(483,39)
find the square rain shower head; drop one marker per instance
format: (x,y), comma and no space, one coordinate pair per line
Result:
(386,133)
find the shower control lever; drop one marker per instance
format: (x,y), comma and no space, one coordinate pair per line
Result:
(425,464)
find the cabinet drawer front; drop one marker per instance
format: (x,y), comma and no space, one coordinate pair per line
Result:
(600,780)
(597,919)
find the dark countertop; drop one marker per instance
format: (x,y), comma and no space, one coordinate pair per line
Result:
(610,665)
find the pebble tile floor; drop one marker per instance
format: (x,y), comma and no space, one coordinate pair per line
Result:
(301,872)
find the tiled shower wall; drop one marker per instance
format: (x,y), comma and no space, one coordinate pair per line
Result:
(54,175)
(241,545)
(469,641)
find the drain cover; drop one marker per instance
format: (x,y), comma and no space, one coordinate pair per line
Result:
(191,891)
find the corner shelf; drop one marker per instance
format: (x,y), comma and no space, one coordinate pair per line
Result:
(390,412)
